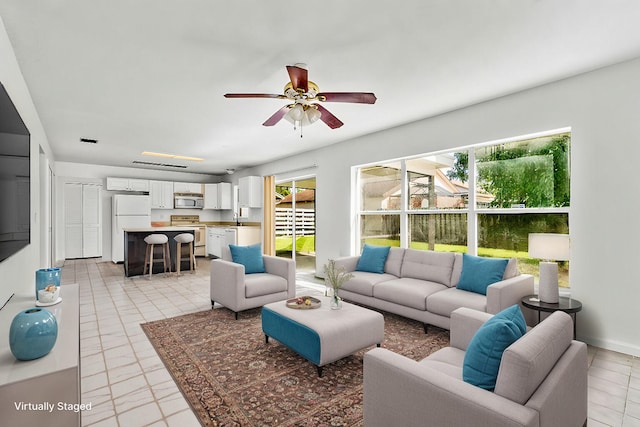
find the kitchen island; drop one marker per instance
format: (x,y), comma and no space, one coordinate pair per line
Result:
(135,247)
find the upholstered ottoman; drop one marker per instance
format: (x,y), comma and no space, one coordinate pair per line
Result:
(323,335)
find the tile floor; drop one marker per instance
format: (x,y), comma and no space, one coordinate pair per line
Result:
(128,385)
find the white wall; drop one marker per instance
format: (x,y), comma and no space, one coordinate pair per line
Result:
(97,174)
(18,271)
(603,110)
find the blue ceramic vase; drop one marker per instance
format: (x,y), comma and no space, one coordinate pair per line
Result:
(47,276)
(33,333)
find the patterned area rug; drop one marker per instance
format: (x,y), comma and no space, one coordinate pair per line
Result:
(231,377)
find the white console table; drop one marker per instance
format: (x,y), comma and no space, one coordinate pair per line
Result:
(54,379)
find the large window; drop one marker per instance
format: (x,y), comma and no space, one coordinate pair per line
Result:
(483,200)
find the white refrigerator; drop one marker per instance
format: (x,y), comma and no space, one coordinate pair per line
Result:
(129,211)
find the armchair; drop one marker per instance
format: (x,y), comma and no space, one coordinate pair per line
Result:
(542,381)
(237,291)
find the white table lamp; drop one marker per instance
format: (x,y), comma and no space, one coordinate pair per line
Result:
(549,247)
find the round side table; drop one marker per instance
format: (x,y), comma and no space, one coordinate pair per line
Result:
(568,305)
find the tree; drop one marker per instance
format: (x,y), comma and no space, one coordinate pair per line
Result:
(534,173)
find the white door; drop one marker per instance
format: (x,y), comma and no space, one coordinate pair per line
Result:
(83,224)
(73,220)
(91,223)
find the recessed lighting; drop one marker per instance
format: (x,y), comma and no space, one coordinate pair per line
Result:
(166,165)
(172,156)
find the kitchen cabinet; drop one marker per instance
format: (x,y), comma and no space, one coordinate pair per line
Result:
(161,193)
(187,187)
(217,196)
(221,237)
(248,236)
(127,184)
(250,192)
(83,220)
(218,238)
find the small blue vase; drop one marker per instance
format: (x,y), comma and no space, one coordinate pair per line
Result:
(47,276)
(33,333)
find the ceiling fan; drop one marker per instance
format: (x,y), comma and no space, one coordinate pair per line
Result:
(303,93)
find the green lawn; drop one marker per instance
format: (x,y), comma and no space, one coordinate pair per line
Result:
(305,244)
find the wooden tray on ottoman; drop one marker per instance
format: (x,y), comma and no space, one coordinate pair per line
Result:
(300,303)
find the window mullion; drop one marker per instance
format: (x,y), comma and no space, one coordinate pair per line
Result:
(404,202)
(472,216)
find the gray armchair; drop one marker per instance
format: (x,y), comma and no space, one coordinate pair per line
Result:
(542,381)
(237,291)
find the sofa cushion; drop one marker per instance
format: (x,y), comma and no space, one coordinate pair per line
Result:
(447,360)
(483,355)
(443,303)
(528,361)
(249,256)
(394,261)
(479,272)
(373,258)
(511,270)
(258,284)
(408,292)
(428,265)
(362,282)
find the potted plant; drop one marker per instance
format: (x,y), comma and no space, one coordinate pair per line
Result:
(334,278)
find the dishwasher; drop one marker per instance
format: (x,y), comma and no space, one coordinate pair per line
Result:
(219,238)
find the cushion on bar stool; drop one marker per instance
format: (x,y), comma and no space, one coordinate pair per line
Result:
(184,238)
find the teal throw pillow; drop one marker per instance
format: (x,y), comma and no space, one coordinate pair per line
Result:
(249,256)
(514,314)
(484,352)
(479,272)
(373,259)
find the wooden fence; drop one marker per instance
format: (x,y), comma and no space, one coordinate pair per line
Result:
(305,221)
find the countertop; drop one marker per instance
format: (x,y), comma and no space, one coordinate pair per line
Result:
(153,229)
(232,226)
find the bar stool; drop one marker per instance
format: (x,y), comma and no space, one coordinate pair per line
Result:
(180,239)
(152,240)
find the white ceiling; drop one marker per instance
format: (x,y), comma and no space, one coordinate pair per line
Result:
(151,74)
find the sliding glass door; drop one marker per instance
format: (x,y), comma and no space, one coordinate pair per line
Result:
(295,214)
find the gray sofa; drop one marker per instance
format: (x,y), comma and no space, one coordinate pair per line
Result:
(542,381)
(421,285)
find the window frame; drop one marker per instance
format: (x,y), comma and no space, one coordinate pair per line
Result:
(472,210)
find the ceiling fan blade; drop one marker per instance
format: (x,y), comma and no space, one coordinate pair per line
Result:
(355,97)
(277,116)
(299,78)
(326,116)
(252,95)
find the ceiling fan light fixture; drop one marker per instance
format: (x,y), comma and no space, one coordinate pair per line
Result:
(295,114)
(313,115)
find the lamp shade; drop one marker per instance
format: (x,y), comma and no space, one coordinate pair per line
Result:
(549,246)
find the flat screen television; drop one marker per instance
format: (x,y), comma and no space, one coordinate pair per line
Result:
(15,209)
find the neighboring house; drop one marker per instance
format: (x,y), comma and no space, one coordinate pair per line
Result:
(447,193)
(305,199)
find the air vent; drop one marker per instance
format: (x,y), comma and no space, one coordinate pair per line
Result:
(89,140)
(165,165)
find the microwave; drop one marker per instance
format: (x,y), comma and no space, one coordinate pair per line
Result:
(188,201)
